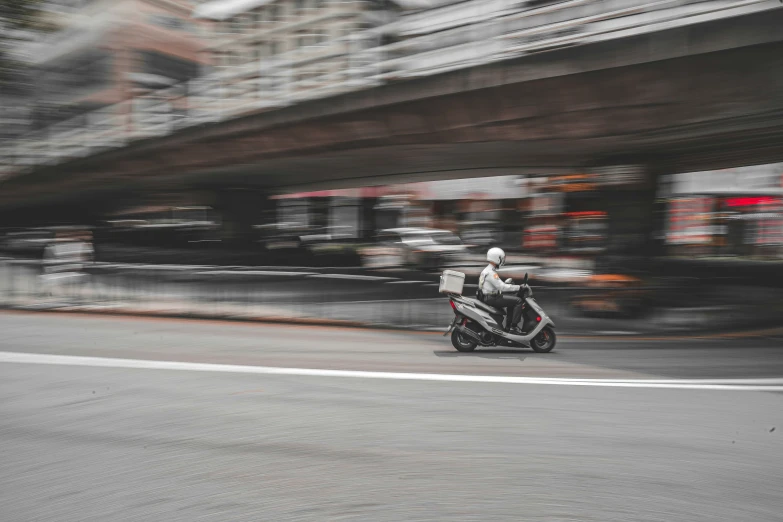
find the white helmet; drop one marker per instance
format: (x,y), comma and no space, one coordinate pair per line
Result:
(496,256)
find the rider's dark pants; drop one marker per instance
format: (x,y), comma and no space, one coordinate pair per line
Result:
(511,303)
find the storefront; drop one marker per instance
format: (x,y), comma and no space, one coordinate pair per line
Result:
(567,215)
(733,212)
(720,225)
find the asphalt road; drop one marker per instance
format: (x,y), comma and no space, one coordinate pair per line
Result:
(81,443)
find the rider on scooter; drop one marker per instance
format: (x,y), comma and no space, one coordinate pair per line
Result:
(492,288)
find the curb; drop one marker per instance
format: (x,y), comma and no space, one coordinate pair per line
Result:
(335,323)
(292,321)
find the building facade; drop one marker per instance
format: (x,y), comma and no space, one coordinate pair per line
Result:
(108,51)
(264,50)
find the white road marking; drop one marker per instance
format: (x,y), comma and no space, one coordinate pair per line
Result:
(105,362)
(274,273)
(352,277)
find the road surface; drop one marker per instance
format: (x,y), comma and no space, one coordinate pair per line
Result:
(145,419)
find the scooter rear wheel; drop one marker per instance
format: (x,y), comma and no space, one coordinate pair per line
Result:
(461,342)
(545,341)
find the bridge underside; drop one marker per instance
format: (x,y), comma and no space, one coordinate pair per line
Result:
(678,100)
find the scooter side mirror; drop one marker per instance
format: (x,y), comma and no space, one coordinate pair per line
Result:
(525,281)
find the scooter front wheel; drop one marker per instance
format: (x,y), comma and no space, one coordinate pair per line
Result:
(462,342)
(545,341)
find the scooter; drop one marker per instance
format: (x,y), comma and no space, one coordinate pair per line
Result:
(478,324)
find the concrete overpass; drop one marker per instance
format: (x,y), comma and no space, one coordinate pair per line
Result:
(691,97)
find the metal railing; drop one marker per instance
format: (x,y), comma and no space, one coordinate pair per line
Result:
(215,292)
(304,295)
(358,62)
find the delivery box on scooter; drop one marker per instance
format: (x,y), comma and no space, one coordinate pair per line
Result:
(451,282)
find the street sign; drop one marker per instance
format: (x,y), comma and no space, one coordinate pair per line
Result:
(621,175)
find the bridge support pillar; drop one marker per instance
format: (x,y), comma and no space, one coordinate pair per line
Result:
(240,210)
(629,194)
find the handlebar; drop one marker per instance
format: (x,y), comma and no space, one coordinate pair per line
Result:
(524,288)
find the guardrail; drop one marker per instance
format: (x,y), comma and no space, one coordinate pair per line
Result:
(358,62)
(261,293)
(306,295)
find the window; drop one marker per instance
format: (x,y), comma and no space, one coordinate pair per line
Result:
(256,19)
(267,49)
(307,5)
(262,50)
(246,55)
(90,70)
(257,53)
(169,22)
(311,38)
(169,66)
(389,238)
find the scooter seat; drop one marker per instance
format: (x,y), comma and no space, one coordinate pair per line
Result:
(491,309)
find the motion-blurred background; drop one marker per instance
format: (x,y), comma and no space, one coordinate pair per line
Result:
(326,159)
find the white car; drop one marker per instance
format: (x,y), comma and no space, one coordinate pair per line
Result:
(420,247)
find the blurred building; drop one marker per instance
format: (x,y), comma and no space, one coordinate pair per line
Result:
(260,46)
(107,52)
(17,93)
(15,78)
(436,35)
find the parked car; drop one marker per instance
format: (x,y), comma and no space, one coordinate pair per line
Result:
(418,247)
(279,236)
